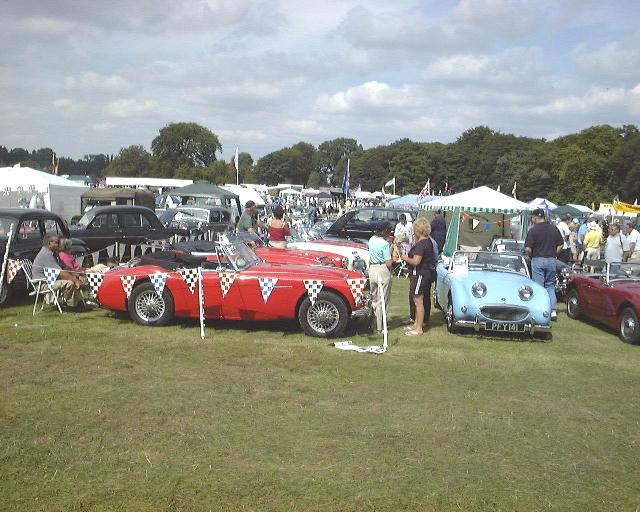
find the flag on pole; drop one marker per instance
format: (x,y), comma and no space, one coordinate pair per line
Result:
(235,162)
(55,162)
(498,189)
(391,182)
(345,180)
(513,191)
(383,196)
(426,190)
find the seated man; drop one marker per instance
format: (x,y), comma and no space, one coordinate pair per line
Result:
(72,289)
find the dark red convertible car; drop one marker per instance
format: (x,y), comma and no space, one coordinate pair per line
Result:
(237,285)
(611,298)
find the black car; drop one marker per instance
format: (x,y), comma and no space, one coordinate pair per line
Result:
(360,223)
(28,227)
(198,220)
(103,226)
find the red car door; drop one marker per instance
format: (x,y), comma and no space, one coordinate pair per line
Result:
(592,296)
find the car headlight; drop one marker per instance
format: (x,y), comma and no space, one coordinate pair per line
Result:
(479,289)
(525,292)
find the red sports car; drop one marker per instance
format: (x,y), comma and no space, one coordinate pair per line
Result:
(269,254)
(612,298)
(237,285)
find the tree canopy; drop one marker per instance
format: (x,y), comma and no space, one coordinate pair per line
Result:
(593,165)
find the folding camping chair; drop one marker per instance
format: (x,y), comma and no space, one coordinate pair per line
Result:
(39,288)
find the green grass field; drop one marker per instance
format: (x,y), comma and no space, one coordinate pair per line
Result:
(98,413)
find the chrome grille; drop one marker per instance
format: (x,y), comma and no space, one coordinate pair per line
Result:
(505,313)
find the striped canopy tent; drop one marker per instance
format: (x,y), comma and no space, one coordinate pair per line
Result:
(477,216)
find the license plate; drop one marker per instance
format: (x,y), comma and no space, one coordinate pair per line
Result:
(497,326)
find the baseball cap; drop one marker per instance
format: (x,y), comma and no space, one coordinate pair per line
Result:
(538,212)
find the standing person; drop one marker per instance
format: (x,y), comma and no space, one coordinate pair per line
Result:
(404,230)
(278,229)
(582,230)
(380,264)
(563,226)
(616,247)
(573,241)
(421,258)
(592,241)
(72,289)
(542,245)
(439,229)
(247,221)
(632,237)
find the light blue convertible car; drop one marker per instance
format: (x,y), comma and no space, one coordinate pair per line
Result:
(491,291)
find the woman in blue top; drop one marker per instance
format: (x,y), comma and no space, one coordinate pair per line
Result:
(380,269)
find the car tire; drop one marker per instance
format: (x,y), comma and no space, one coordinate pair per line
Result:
(573,304)
(628,327)
(327,317)
(450,317)
(5,293)
(146,307)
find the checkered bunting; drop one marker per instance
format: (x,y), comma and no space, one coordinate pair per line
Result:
(227,279)
(127,284)
(51,274)
(95,280)
(190,277)
(13,267)
(267,284)
(158,279)
(357,288)
(313,287)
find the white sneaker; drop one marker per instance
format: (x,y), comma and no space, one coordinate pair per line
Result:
(554,315)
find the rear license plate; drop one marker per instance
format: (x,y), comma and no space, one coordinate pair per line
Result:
(497,326)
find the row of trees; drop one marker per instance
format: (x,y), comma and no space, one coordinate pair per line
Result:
(595,165)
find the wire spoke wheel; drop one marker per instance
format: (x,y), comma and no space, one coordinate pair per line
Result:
(149,306)
(323,316)
(629,327)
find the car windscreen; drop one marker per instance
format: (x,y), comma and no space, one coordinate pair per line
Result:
(86,219)
(5,226)
(198,213)
(494,261)
(624,271)
(241,255)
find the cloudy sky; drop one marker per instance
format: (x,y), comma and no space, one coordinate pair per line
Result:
(92,77)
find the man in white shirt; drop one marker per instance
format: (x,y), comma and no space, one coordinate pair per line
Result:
(403,231)
(563,226)
(616,248)
(632,237)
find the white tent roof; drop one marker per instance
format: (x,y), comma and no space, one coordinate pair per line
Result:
(582,208)
(290,192)
(483,199)
(541,202)
(245,194)
(26,177)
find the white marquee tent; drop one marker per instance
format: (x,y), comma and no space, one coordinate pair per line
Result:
(24,186)
(478,215)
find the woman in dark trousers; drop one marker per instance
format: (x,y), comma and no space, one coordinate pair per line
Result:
(421,259)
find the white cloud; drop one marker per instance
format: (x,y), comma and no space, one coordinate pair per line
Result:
(370,95)
(104,127)
(304,127)
(128,107)
(91,80)
(596,99)
(613,63)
